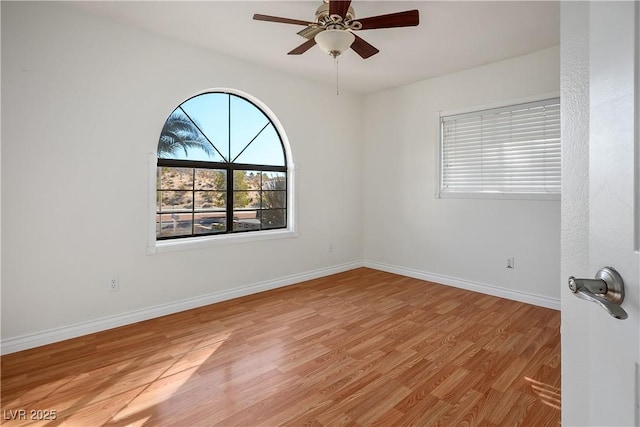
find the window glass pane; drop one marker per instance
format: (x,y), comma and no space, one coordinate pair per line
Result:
(274,181)
(274,218)
(266,149)
(176,200)
(210,200)
(170,178)
(182,138)
(252,179)
(246,180)
(211,113)
(274,199)
(158,224)
(210,179)
(246,199)
(210,222)
(246,220)
(247,123)
(170,225)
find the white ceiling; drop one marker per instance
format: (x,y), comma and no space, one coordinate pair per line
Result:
(452,35)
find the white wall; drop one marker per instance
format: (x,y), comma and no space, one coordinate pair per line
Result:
(83,102)
(463,242)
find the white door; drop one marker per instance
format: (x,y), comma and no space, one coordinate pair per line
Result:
(600,209)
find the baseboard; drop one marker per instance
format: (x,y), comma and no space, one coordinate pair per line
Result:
(525,297)
(25,342)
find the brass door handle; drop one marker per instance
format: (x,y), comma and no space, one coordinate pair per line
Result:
(606,290)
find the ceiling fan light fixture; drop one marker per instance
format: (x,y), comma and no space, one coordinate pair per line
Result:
(334,41)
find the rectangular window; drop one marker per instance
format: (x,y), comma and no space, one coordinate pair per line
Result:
(192,201)
(512,151)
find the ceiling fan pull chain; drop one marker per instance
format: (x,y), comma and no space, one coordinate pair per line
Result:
(335,59)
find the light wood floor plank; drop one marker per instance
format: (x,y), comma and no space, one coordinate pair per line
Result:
(358,348)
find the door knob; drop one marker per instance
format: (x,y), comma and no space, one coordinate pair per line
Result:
(606,290)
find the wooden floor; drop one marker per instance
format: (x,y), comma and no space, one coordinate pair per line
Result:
(358,348)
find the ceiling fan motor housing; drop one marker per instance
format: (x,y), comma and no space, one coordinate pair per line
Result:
(323,18)
(323,12)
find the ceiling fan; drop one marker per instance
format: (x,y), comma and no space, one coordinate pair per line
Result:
(333,29)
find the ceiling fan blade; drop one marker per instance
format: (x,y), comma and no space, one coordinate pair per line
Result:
(303,47)
(409,18)
(310,32)
(339,7)
(259,17)
(362,48)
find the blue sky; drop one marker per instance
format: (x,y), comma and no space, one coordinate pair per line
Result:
(231,123)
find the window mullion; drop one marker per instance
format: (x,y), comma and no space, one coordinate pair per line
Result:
(261,194)
(229,127)
(193,201)
(230,198)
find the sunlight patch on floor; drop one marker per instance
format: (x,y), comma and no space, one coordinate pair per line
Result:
(165,386)
(548,394)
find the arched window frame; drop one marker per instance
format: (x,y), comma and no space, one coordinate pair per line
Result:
(159,245)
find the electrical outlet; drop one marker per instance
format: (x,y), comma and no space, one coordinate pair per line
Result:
(114,284)
(331,247)
(511,262)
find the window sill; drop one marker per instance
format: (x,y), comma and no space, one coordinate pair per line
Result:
(221,240)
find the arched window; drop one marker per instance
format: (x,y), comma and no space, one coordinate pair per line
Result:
(222,168)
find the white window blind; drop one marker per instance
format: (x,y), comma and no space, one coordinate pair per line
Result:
(509,150)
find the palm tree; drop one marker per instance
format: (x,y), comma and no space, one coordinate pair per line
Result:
(181,133)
